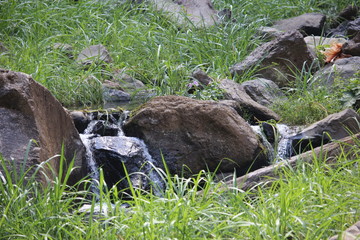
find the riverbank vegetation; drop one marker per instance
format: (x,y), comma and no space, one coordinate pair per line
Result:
(310,202)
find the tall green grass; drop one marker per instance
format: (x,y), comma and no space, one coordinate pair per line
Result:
(140,39)
(311,201)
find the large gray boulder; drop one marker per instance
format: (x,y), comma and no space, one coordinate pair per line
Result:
(340,70)
(249,109)
(333,127)
(193,135)
(308,24)
(263,91)
(28,112)
(277,60)
(199,13)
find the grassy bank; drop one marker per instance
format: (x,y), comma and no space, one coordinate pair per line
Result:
(310,202)
(141,41)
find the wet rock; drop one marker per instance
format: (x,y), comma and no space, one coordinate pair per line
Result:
(193,135)
(112,154)
(251,110)
(67,49)
(313,42)
(333,127)
(200,13)
(308,24)
(29,111)
(263,91)
(94,54)
(270,131)
(341,70)
(81,120)
(104,128)
(277,60)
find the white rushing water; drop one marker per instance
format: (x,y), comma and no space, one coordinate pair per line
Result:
(149,168)
(280,149)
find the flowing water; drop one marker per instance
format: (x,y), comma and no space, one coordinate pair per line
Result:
(280,149)
(90,135)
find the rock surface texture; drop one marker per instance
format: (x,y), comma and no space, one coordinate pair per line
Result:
(29,111)
(333,127)
(308,24)
(277,60)
(263,91)
(94,54)
(352,233)
(341,70)
(195,135)
(200,13)
(250,109)
(113,153)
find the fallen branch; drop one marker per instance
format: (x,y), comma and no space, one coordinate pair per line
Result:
(266,175)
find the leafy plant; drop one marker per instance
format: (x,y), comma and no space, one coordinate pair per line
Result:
(351,94)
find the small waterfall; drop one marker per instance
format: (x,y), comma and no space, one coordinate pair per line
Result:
(284,142)
(93,169)
(269,148)
(279,147)
(105,132)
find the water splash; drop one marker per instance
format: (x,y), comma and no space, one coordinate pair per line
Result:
(90,137)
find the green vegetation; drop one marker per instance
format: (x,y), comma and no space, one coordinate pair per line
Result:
(141,40)
(313,201)
(310,202)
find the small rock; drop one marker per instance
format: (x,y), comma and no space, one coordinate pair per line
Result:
(263,91)
(67,49)
(251,110)
(81,121)
(115,95)
(277,60)
(352,233)
(269,33)
(126,82)
(353,27)
(202,77)
(104,128)
(351,48)
(113,153)
(308,23)
(349,13)
(94,54)
(201,13)
(3,48)
(339,31)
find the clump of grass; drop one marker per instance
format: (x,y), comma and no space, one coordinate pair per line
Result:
(311,201)
(142,40)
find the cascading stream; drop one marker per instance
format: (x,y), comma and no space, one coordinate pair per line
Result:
(280,149)
(115,149)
